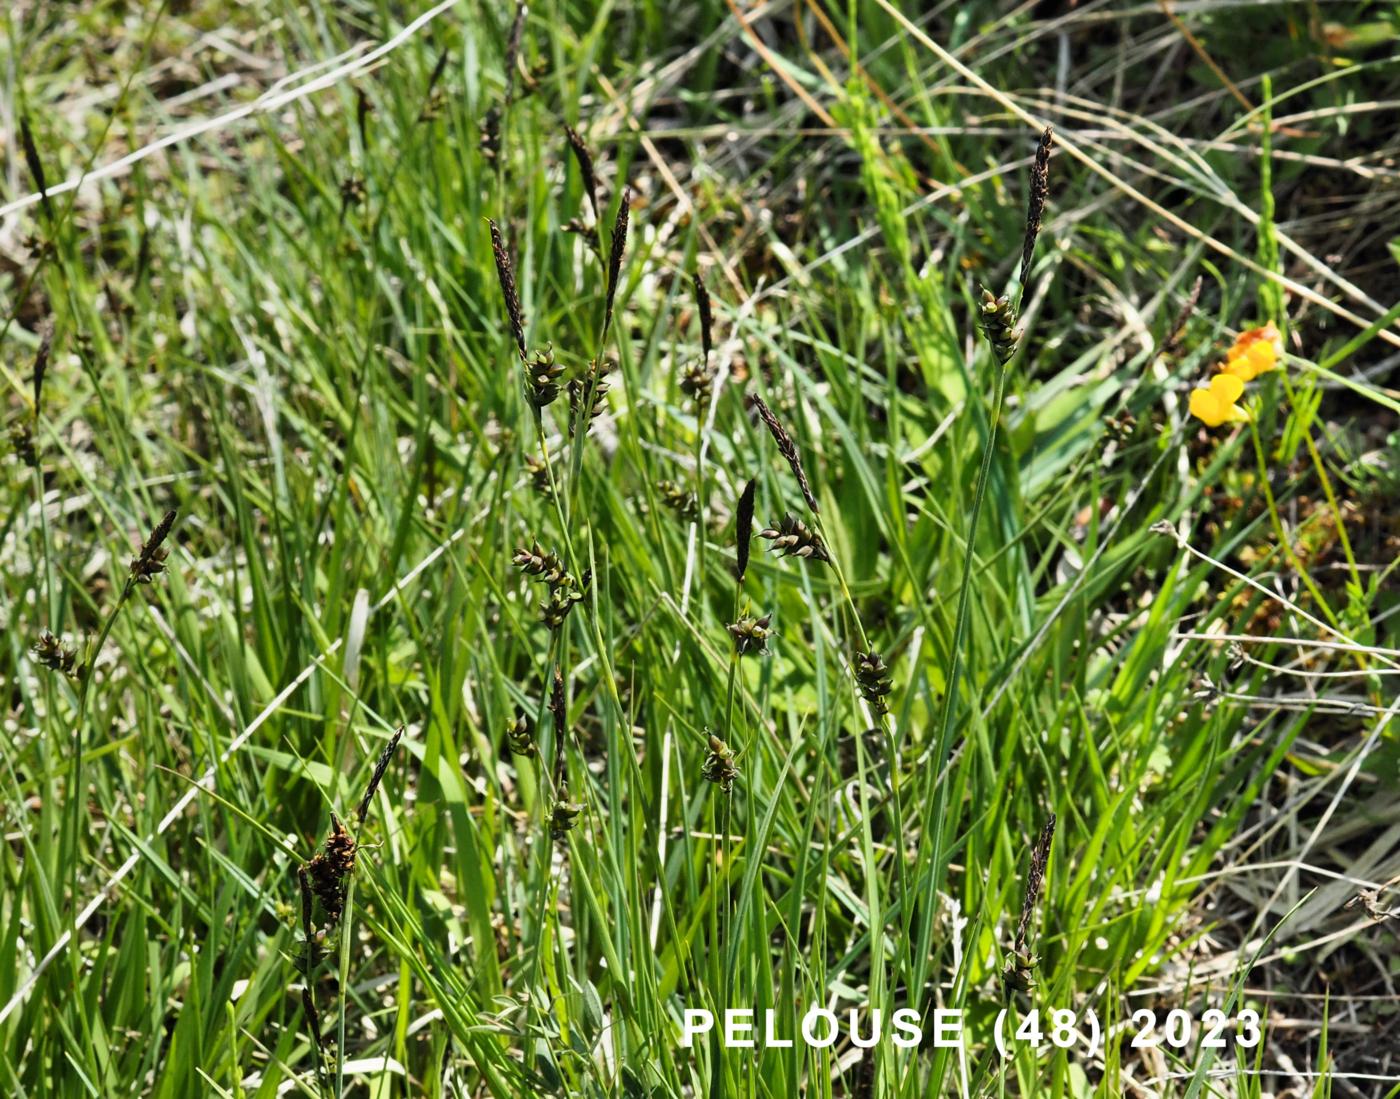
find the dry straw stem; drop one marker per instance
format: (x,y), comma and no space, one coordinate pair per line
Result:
(585,168)
(615,251)
(380,766)
(788,449)
(702,302)
(506,274)
(1035,207)
(743,529)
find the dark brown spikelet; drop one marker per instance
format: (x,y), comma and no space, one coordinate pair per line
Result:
(585,167)
(558,704)
(36,166)
(380,766)
(1173,341)
(590,392)
(150,562)
(143,257)
(1035,206)
(313,1017)
(56,656)
(873,680)
(22,442)
(707,318)
(490,141)
(329,870)
(304,881)
(720,766)
(743,529)
(352,193)
(506,274)
(615,253)
(363,107)
(1019,973)
(696,381)
(1035,879)
(41,362)
(793,538)
(788,449)
(433,97)
(542,564)
(512,58)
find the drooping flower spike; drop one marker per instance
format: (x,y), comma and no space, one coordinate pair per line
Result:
(1216,405)
(1255,352)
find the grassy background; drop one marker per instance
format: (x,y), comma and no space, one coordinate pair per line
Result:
(328,393)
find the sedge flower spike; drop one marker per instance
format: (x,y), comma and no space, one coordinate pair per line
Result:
(1255,352)
(1216,405)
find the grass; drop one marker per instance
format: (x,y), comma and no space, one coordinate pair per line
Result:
(1178,643)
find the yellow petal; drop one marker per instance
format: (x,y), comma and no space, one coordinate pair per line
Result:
(1262,357)
(1264,334)
(1239,366)
(1226,388)
(1207,408)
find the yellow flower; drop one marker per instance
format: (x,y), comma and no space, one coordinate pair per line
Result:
(1255,352)
(1216,405)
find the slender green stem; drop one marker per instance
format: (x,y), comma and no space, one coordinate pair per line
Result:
(934,819)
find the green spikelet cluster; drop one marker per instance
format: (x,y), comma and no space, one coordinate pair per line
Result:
(873,679)
(998,322)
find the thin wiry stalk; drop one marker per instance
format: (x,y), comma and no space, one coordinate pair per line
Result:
(998,321)
(934,820)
